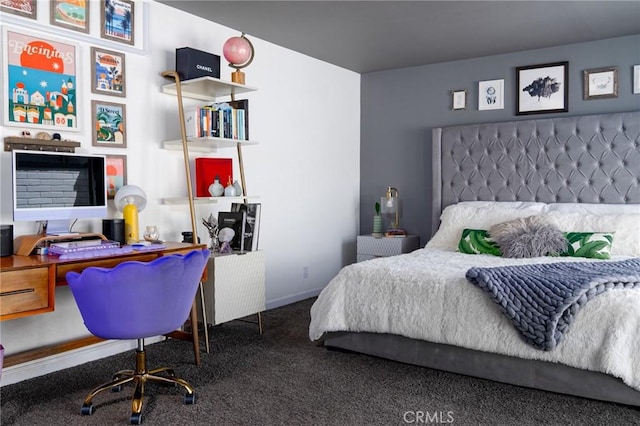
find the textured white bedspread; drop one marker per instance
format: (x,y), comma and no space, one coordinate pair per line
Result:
(424,295)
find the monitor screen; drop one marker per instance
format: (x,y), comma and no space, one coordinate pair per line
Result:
(58,186)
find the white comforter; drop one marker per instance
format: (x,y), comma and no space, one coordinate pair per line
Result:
(424,295)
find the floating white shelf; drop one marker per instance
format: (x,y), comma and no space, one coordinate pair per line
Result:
(206,144)
(207,88)
(207,200)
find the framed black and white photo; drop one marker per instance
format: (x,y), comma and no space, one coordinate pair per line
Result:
(491,95)
(600,83)
(542,89)
(458,99)
(636,79)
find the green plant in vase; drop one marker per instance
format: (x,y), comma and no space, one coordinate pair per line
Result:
(377,222)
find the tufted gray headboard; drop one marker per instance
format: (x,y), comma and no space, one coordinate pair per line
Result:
(586,159)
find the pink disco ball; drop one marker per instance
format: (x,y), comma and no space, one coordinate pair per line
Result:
(238,51)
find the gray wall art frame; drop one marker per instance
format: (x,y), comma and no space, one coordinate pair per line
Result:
(600,83)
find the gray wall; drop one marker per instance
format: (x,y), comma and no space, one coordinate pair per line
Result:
(400,108)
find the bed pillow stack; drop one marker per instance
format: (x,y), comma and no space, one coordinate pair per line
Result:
(588,229)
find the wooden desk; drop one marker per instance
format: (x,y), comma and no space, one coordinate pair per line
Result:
(27,287)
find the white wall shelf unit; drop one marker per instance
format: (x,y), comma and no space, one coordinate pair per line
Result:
(236,284)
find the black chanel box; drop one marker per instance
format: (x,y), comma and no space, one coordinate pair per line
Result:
(193,63)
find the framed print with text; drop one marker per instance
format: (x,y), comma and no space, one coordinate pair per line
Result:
(116,174)
(70,14)
(40,80)
(600,83)
(542,89)
(117,20)
(109,124)
(25,8)
(108,72)
(490,95)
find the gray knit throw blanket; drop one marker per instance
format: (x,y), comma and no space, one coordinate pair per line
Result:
(541,300)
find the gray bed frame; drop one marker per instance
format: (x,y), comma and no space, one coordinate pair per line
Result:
(584,159)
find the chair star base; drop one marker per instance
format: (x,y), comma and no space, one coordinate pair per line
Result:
(139,377)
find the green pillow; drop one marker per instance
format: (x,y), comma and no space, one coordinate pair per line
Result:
(596,245)
(478,241)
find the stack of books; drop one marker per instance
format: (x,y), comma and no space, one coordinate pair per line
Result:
(229,120)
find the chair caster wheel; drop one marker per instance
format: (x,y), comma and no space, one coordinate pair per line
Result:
(87,409)
(136,419)
(116,388)
(190,398)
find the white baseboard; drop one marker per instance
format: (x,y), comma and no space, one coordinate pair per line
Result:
(287,300)
(40,367)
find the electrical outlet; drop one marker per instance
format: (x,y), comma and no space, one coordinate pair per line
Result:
(305,272)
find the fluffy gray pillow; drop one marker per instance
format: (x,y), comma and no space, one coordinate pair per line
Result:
(528,237)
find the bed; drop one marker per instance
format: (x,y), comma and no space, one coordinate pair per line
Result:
(578,173)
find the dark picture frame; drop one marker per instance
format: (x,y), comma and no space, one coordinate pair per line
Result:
(600,83)
(24,8)
(542,89)
(70,15)
(109,120)
(116,174)
(108,72)
(117,21)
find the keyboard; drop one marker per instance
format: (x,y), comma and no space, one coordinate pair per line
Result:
(106,252)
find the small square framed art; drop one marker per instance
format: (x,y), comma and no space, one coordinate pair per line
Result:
(458,99)
(490,95)
(600,83)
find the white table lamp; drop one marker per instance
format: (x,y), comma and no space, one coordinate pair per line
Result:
(130,199)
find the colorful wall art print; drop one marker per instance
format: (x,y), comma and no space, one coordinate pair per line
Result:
(117,20)
(25,8)
(109,124)
(107,72)
(116,174)
(71,14)
(40,82)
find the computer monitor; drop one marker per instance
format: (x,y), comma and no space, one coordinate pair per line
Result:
(58,187)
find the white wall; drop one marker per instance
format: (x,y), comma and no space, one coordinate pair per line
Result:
(306,116)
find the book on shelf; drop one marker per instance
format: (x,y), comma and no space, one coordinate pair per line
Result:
(228,120)
(252,223)
(235,221)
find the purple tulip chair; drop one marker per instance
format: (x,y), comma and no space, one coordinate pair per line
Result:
(134,300)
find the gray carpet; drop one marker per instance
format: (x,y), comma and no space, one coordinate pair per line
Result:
(281,378)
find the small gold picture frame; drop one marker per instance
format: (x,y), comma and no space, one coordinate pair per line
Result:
(458,99)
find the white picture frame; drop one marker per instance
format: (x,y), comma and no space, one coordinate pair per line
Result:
(458,100)
(490,95)
(636,79)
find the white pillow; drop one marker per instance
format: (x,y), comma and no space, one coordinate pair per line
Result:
(594,208)
(477,215)
(626,240)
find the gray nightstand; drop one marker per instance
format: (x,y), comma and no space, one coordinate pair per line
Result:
(370,247)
